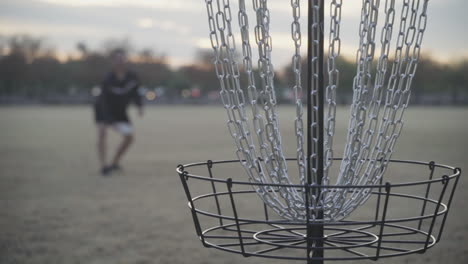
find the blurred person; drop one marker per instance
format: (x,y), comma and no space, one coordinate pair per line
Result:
(118,90)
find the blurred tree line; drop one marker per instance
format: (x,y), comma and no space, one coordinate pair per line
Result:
(31,69)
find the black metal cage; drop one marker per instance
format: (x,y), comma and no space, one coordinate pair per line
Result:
(399,218)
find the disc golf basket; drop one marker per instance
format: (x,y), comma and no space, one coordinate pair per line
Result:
(312,213)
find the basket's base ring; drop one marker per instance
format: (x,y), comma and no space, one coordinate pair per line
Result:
(280,238)
(294,237)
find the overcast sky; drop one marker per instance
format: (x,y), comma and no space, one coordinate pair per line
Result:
(179,27)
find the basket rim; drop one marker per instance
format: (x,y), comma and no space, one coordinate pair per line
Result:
(456,172)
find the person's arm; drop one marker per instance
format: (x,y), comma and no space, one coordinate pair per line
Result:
(140,107)
(137,97)
(104,86)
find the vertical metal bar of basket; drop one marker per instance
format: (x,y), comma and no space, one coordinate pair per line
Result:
(377,206)
(309,230)
(315,231)
(388,188)
(445,180)
(209,165)
(428,189)
(236,217)
(265,207)
(183,178)
(265,212)
(449,204)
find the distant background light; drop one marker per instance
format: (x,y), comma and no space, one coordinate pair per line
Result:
(159,91)
(96,91)
(196,92)
(150,95)
(213,95)
(186,93)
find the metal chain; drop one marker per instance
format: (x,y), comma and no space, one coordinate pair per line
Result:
(370,142)
(270,195)
(276,159)
(334,50)
(315,64)
(397,97)
(361,87)
(399,93)
(297,88)
(375,101)
(232,97)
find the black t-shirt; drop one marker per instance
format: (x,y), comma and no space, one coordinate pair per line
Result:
(116,94)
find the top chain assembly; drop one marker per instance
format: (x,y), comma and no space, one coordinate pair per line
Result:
(381,93)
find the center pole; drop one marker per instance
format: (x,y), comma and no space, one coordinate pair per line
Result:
(315,115)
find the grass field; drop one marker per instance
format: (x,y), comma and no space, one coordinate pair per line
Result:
(56,208)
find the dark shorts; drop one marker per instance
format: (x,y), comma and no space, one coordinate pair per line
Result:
(103,114)
(120,123)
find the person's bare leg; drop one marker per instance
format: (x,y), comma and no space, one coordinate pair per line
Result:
(102,144)
(123,147)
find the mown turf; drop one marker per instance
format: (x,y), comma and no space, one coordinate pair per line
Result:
(56,208)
